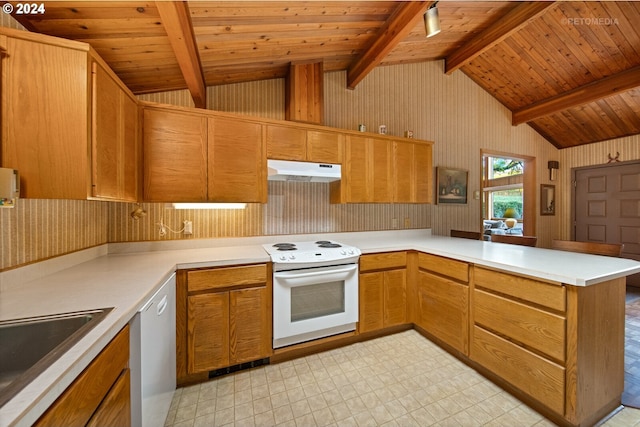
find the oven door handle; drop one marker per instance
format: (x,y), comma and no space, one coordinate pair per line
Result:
(292,275)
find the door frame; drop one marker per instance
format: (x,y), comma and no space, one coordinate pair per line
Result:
(574,183)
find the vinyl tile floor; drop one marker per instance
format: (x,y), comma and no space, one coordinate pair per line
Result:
(397,380)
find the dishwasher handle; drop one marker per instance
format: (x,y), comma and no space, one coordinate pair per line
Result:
(162,306)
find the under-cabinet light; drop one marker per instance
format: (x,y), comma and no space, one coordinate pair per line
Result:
(209,205)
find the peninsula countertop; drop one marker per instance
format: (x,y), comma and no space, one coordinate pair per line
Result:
(125,275)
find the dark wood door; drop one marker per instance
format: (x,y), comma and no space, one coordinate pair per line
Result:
(607,208)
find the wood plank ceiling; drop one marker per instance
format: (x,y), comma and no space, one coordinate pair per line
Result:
(571,70)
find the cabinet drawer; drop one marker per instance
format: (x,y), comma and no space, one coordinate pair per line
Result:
(533,327)
(201,280)
(541,293)
(383,261)
(538,377)
(447,267)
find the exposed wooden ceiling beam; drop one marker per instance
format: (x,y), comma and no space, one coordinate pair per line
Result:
(608,86)
(177,22)
(396,29)
(511,23)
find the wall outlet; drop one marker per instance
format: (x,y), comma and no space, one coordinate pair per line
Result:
(394,223)
(407,222)
(188,227)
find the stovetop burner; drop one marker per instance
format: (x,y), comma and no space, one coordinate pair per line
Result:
(329,245)
(286,246)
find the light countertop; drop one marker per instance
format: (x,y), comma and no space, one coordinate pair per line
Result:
(124,276)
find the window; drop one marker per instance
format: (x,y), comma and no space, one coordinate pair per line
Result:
(503,188)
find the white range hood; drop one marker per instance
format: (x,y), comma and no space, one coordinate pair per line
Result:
(284,170)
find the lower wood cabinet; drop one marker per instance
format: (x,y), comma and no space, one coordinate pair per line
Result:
(443,300)
(100,396)
(382,295)
(223,318)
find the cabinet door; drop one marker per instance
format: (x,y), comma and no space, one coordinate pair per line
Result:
(237,164)
(357,170)
(175,156)
(45,118)
(371,295)
(114,135)
(324,147)
(131,139)
(208,332)
(381,177)
(443,309)
(395,297)
(250,325)
(423,173)
(286,143)
(403,172)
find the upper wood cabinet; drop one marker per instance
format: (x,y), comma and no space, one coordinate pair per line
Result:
(237,164)
(412,172)
(196,156)
(367,176)
(291,142)
(114,134)
(382,170)
(70,133)
(175,156)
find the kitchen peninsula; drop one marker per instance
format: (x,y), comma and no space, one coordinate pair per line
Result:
(583,294)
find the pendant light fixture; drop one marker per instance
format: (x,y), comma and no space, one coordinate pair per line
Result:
(432,20)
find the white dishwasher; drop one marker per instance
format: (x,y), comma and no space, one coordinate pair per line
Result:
(153,357)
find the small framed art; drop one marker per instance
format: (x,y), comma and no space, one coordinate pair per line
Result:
(451,185)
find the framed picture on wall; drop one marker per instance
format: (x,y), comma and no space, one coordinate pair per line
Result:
(451,185)
(547,199)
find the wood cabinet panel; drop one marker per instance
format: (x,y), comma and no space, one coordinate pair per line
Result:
(533,327)
(324,147)
(538,377)
(545,294)
(237,161)
(224,318)
(443,309)
(403,172)
(423,173)
(115,409)
(356,182)
(395,297)
(80,400)
(367,176)
(383,292)
(175,156)
(383,261)
(412,172)
(45,118)
(226,277)
(208,332)
(132,164)
(115,141)
(371,307)
(249,324)
(445,266)
(381,182)
(286,143)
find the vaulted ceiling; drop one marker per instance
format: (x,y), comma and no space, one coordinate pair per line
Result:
(571,70)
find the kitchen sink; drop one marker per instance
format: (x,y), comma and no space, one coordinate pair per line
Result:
(31,345)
